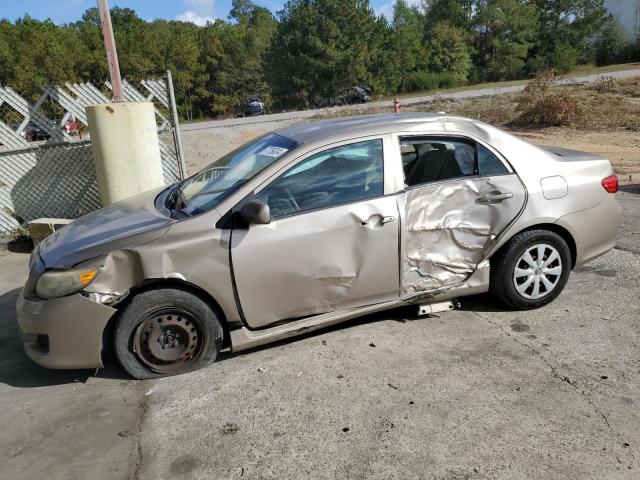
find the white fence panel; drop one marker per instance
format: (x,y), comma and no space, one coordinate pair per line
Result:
(53,175)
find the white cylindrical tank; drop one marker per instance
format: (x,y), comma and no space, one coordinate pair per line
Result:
(126,149)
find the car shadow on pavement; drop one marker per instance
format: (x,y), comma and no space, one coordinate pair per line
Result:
(484,302)
(635,188)
(18,370)
(401,314)
(409,313)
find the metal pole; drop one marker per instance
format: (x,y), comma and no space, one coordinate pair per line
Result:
(110,47)
(176,126)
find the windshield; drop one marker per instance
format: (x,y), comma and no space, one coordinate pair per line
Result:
(210,186)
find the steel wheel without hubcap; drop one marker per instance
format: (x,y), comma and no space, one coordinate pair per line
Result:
(537,271)
(166,342)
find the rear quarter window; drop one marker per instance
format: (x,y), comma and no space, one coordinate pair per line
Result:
(488,163)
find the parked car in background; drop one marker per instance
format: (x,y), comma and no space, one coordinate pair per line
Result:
(349,96)
(33,132)
(312,225)
(250,106)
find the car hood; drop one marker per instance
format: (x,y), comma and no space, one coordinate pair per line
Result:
(124,224)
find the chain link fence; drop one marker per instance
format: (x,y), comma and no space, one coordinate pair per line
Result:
(46,158)
(55,180)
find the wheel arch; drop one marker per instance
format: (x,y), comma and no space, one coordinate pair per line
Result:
(553,227)
(155,283)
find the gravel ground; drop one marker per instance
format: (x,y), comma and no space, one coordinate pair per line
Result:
(474,393)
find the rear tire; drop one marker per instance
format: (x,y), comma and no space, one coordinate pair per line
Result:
(166,331)
(531,269)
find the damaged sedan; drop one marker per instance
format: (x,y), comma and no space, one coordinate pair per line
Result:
(309,226)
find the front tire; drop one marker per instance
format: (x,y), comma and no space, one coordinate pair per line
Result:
(531,269)
(166,331)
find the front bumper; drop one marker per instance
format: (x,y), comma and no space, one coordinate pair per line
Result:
(253,111)
(63,332)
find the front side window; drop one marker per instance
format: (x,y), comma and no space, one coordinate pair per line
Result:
(340,175)
(206,189)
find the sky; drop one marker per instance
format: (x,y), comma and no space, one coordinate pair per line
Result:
(196,11)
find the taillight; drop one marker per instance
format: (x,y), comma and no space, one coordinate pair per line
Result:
(610,183)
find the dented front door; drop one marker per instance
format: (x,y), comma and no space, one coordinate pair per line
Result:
(332,243)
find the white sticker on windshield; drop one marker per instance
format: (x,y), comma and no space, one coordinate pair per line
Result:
(274,152)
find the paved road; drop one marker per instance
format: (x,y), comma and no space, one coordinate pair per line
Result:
(474,393)
(481,92)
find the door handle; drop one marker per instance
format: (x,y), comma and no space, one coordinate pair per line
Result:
(495,197)
(378,221)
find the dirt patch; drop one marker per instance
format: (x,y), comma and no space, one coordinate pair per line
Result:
(621,147)
(202,147)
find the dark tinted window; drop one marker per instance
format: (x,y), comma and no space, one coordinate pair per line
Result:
(340,175)
(433,160)
(488,163)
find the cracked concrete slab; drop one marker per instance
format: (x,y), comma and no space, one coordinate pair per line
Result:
(475,393)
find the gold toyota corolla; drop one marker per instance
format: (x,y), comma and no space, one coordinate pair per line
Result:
(309,226)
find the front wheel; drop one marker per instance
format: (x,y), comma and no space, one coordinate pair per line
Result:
(166,331)
(531,269)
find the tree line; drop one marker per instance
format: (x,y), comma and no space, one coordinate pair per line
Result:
(312,48)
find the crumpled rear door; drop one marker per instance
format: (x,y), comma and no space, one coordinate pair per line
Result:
(448,227)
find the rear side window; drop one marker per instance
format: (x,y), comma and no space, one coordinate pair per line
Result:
(340,175)
(434,160)
(426,160)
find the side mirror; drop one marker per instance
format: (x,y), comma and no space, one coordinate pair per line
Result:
(255,212)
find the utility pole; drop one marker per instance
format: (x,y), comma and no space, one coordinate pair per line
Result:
(110,47)
(176,125)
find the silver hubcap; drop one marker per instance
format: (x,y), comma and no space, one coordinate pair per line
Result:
(537,271)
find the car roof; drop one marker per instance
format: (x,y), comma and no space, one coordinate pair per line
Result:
(362,125)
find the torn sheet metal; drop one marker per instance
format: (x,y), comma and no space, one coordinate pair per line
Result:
(448,227)
(190,251)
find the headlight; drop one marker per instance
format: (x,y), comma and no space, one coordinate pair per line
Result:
(55,284)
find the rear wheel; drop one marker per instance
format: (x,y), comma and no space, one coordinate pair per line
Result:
(531,269)
(166,331)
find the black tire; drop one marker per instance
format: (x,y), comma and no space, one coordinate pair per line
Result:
(503,265)
(182,313)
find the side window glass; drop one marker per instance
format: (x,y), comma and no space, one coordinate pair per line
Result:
(345,174)
(488,163)
(437,159)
